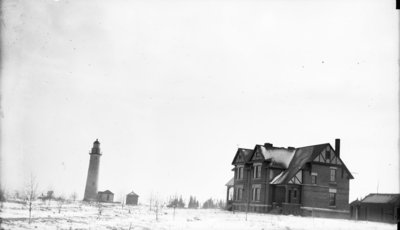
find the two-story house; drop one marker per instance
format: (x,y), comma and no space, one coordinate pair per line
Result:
(311,180)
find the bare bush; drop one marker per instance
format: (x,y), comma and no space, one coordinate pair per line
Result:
(31,194)
(74,196)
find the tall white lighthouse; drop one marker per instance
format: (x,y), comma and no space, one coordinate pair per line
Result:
(93,173)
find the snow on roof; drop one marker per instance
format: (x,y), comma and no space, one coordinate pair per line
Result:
(230,182)
(281,156)
(132,194)
(246,153)
(381,198)
(299,158)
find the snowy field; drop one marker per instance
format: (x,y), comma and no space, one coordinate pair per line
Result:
(114,216)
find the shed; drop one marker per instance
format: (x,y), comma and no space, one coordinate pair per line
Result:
(376,207)
(106,196)
(132,198)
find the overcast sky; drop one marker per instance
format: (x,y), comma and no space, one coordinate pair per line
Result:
(172,88)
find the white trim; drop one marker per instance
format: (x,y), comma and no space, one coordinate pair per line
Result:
(333,167)
(334,190)
(314,174)
(259,205)
(315,185)
(324,209)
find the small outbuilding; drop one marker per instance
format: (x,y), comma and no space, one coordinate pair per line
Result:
(376,207)
(132,198)
(106,196)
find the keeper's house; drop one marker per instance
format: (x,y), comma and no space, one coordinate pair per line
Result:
(311,180)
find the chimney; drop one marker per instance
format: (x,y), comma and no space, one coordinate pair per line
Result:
(337,147)
(268,145)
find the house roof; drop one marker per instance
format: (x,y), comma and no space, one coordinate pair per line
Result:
(132,194)
(106,192)
(300,157)
(381,198)
(278,156)
(246,153)
(290,160)
(230,182)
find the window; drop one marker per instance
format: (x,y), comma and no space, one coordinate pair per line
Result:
(256,192)
(257,171)
(313,179)
(332,199)
(328,155)
(295,193)
(333,174)
(239,193)
(239,173)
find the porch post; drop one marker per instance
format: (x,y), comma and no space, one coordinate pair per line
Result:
(286,194)
(227,194)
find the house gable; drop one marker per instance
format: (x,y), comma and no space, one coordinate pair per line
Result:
(297,179)
(242,156)
(257,155)
(329,156)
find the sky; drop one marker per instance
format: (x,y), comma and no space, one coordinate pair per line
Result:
(172,88)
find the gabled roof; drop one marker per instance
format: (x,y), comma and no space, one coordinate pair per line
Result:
(132,194)
(300,158)
(245,153)
(106,192)
(382,198)
(291,160)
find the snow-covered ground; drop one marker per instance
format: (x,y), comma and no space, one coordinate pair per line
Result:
(113,216)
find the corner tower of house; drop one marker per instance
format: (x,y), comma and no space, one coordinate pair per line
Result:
(93,173)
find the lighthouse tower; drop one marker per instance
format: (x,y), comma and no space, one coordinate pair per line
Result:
(93,173)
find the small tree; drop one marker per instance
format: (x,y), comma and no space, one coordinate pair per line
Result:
(157,205)
(209,204)
(100,209)
(122,198)
(60,202)
(181,204)
(2,197)
(74,196)
(193,203)
(31,194)
(151,199)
